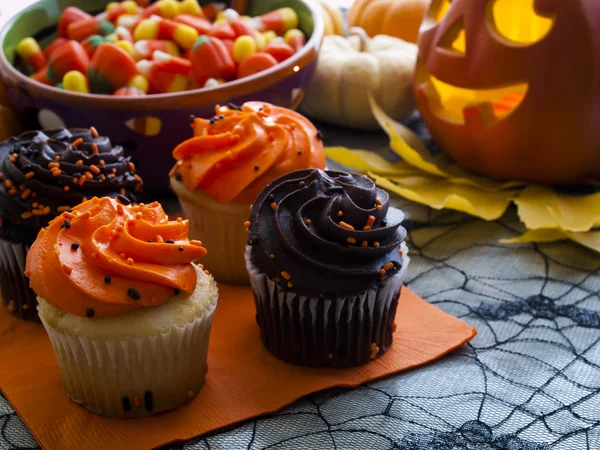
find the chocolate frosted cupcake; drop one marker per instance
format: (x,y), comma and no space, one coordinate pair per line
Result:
(44,173)
(326,260)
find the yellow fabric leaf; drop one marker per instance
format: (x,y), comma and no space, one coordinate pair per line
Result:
(366,161)
(590,239)
(541,207)
(440,194)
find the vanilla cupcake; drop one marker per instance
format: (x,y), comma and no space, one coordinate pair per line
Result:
(127,312)
(326,258)
(223,168)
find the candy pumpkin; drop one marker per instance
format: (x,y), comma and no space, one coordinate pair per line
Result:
(511,88)
(398,18)
(349,68)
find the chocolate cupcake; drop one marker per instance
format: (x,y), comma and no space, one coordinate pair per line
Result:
(326,260)
(44,173)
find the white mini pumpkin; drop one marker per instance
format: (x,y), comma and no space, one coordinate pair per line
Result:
(350,67)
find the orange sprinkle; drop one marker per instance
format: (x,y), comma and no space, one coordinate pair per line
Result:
(53,165)
(207,272)
(370,222)
(35,204)
(63,208)
(114,171)
(101,162)
(68,215)
(11,306)
(37,212)
(94,132)
(196,243)
(8,184)
(394,326)
(13,191)
(378,207)
(102,177)
(272,256)
(130,261)
(401,252)
(1,175)
(77,142)
(201,266)
(364,244)
(190,394)
(340,214)
(308,221)
(29,175)
(122,191)
(330,356)
(388,266)
(376,244)
(75,180)
(381,272)
(131,166)
(67,269)
(159,239)
(366,228)
(66,189)
(377,201)
(95,149)
(122,255)
(94,169)
(57,158)
(346,225)
(89,175)
(247,223)
(56,172)
(79,163)
(26,215)
(82,180)
(374,351)
(273,206)
(25,306)
(351,240)
(285,275)
(46,211)
(22,187)
(136,401)
(290,284)
(138,215)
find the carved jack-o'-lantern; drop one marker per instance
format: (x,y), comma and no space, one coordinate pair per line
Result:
(511,88)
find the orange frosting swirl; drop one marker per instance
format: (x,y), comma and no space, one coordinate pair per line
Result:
(107,258)
(234,155)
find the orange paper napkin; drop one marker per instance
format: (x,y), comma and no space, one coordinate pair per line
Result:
(243,380)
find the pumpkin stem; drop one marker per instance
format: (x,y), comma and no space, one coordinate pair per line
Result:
(362,34)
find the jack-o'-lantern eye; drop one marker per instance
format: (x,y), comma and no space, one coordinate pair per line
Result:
(438,9)
(517,21)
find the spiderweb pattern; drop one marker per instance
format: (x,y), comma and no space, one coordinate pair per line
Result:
(530,379)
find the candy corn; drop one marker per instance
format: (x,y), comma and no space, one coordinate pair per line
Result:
(279,21)
(211,59)
(70,15)
(91,43)
(279,50)
(160,77)
(75,81)
(127,46)
(163,8)
(115,10)
(184,35)
(222,31)
(244,47)
(144,49)
(31,53)
(110,69)
(255,63)
(138,82)
(67,57)
(123,34)
(84,28)
(201,25)
(295,39)
(129,21)
(191,7)
(128,92)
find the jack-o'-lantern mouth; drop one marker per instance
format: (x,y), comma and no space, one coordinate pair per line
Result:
(461,106)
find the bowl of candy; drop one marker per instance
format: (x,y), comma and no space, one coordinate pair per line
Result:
(137,70)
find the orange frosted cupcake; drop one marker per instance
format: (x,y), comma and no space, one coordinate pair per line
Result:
(128,313)
(229,161)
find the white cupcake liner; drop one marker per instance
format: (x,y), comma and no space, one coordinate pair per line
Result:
(221,229)
(317,331)
(135,376)
(17,296)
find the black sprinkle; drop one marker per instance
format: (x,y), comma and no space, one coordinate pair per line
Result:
(234,106)
(169,241)
(90,313)
(124,200)
(257,168)
(176,291)
(107,279)
(261,108)
(180,249)
(66,224)
(76,175)
(148,401)
(212,120)
(221,117)
(299,152)
(178,176)
(192,118)
(302,184)
(150,240)
(133,294)
(271,197)
(74,246)
(319,135)
(126,404)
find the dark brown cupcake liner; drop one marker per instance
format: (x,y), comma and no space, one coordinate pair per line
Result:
(17,296)
(321,331)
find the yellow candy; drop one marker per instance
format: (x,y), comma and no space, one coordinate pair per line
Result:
(127,46)
(146,29)
(291,34)
(185,36)
(168,8)
(140,82)
(172,48)
(190,7)
(243,47)
(75,81)
(269,35)
(130,7)
(179,83)
(220,15)
(289,17)
(261,42)
(28,47)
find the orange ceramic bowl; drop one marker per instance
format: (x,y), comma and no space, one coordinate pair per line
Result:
(149,127)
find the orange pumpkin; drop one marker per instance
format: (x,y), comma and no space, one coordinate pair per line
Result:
(398,18)
(510,88)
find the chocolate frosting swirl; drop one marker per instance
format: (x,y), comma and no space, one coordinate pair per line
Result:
(42,173)
(325,232)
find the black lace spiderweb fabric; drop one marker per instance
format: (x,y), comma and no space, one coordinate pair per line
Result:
(530,380)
